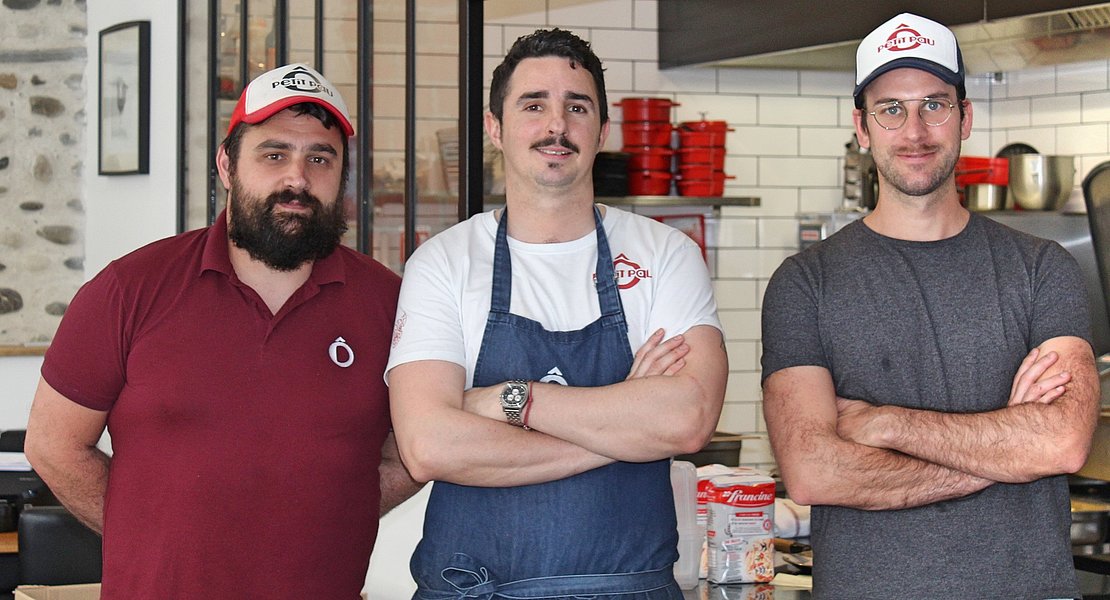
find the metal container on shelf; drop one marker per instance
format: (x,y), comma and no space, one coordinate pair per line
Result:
(1041,182)
(985,197)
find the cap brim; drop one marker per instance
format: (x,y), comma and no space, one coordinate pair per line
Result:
(942,73)
(275,107)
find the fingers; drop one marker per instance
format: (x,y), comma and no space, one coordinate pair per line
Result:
(651,343)
(659,357)
(1045,391)
(1028,386)
(1032,367)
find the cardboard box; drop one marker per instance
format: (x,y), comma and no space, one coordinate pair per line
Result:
(83,591)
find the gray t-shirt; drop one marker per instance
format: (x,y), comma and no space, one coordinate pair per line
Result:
(939,326)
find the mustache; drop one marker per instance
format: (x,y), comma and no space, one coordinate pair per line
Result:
(922,149)
(284,196)
(557,141)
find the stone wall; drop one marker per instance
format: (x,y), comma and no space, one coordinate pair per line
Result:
(42,150)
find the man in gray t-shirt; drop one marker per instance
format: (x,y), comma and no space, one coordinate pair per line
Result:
(928,376)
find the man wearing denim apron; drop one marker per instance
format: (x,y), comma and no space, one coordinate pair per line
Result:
(513,384)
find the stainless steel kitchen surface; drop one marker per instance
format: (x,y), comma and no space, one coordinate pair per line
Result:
(1073,232)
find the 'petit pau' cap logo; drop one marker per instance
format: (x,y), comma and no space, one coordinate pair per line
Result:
(909,40)
(276,90)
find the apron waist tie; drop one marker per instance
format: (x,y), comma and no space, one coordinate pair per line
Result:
(472,581)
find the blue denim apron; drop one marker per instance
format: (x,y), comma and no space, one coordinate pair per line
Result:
(606,533)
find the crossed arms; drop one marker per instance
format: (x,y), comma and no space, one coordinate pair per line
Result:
(668,405)
(851,453)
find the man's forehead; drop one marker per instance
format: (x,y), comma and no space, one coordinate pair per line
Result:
(545,75)
(905,76)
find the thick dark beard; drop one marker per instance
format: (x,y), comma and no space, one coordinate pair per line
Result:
(284,242)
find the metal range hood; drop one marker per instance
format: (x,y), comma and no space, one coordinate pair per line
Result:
(989,45)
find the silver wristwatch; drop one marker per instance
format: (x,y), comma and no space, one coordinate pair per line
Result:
(513,398)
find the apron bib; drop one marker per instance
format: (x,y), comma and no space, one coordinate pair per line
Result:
(606,532)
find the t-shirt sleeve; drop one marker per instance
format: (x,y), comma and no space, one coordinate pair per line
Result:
(684,293)
(428,324)
(86,360)
(790,335)
(1059,298)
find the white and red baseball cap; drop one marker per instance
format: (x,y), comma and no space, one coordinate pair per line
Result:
(909,40)
(277,90)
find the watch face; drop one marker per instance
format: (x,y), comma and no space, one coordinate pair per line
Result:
(514,395)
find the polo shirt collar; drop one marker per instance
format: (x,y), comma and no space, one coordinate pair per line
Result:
(327,270)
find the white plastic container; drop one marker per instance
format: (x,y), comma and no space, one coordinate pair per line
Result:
(684,484)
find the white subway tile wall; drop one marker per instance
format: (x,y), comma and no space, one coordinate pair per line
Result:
(788,146)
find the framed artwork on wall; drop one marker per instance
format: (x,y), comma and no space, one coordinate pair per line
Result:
(124,91)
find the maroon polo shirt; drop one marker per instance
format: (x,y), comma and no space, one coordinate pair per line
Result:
(246,445)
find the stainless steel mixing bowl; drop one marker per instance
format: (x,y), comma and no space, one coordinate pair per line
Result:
(1041,182)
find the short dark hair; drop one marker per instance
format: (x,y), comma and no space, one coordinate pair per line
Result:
(541,43)
(232,143)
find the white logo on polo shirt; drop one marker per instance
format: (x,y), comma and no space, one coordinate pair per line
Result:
(348,353)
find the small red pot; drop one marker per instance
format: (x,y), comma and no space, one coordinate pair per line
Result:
(717,126)
(714,186)
(646,109)
(701,139)
(648,158)
(698,171)
(979,169)
(649,183)
(646,133)
(703,156)
(701,187)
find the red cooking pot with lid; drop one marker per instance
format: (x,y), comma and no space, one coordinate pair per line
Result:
(703,187)
(712,155)
(701,139)
(649,183)
(718,126)
(646,133)
(698,171)
(646,109)
(656,158)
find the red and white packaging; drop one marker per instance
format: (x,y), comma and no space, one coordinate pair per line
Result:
(705,473)
(740,528)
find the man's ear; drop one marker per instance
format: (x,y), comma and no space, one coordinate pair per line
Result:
(493,129)
(223,165)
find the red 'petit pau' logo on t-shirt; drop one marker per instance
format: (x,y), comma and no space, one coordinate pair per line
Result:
(628,272)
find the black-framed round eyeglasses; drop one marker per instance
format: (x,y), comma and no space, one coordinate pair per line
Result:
(934,112)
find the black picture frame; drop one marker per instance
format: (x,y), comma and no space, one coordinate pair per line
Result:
(124,99)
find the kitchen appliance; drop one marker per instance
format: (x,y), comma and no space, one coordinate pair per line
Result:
(610,173)
(861,178)
(1073,233)
(1096,196)
(814,227)
(1090,511)
(1041,182)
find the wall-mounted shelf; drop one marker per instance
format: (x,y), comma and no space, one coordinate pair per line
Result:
(661,200)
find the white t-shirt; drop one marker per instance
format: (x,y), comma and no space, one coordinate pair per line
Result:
(445,292)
